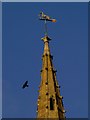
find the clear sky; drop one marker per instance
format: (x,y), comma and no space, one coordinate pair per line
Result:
(23,48)
(45,0)
(0,59)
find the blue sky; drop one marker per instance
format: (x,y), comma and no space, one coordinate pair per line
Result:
(0,59)
(45,0)
(23,48)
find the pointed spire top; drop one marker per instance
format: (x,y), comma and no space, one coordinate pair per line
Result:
(46,39)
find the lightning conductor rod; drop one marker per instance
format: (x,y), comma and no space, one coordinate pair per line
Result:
(46,32)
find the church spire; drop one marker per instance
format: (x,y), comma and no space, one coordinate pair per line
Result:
(49,104)
(46,45)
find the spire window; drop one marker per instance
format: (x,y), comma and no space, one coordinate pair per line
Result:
(51,103)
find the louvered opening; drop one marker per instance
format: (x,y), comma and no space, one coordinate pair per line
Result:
(51,104)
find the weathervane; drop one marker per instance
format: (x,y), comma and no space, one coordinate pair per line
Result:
(46,18)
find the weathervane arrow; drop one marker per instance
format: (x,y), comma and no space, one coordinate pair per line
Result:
(46,17)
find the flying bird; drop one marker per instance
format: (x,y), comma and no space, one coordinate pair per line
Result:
(25,84)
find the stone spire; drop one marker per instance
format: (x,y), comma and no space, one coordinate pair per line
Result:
(49,104)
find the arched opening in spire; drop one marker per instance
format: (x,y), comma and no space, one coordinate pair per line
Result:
(51,103)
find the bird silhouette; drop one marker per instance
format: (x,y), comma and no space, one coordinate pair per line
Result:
(25,85)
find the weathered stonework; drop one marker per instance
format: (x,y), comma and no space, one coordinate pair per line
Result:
(50,104)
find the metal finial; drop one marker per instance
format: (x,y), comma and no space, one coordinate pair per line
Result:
(46,18)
